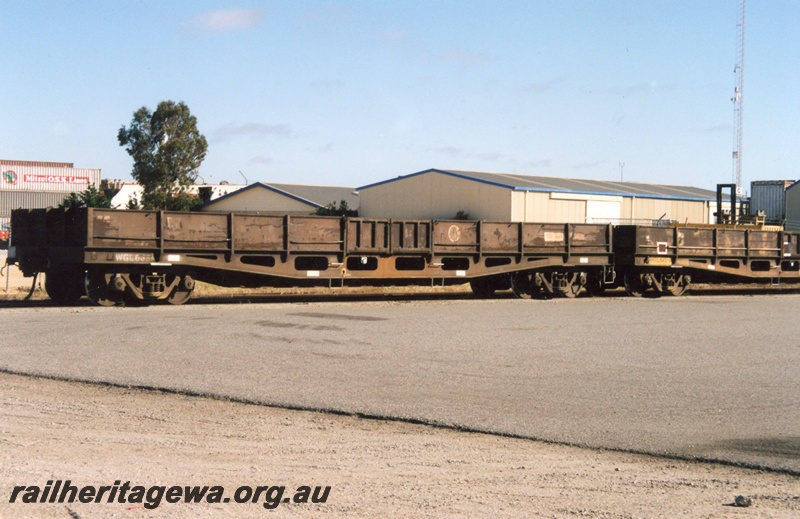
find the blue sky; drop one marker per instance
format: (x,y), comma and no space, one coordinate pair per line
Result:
(356,92)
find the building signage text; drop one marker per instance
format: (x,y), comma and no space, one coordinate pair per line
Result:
(55,179)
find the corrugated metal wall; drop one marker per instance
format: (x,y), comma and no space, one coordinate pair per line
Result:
(683,211)
(15,177)
(433,195)
(769,196)
(544,207)
(10,200)
(539,207)
(793,208)
(436,196)
(33,185)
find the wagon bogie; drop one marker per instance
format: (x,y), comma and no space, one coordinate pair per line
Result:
(655,283)
(109,288)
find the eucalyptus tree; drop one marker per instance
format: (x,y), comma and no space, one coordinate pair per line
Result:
(167,150)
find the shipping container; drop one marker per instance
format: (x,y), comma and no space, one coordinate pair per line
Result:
(769,197)
(793,207)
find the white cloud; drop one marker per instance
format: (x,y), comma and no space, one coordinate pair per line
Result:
(224,20)
(491,156)
(539,164)
(260,159)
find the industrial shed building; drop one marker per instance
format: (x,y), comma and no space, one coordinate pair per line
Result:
(127,191)
(440,194)
(283,199)
(33,185)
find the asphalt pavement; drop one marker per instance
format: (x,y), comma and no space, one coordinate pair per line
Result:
(711,377)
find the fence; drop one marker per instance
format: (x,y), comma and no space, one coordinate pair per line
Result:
(13,285)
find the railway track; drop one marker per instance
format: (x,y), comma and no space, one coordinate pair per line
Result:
(214,295)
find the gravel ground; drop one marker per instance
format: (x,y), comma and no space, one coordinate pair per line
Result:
(96,435)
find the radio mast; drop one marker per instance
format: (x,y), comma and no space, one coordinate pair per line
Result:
(737,102)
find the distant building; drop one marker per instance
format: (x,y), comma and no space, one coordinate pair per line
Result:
(32,185)
(283,199)
(125,191)
(440,194)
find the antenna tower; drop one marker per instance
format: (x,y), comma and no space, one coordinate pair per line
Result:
(737,101)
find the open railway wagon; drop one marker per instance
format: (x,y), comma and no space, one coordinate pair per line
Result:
(665,260)
(117,256)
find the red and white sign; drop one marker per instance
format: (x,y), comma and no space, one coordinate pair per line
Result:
(55,179)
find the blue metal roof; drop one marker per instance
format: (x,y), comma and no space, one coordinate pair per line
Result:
(569,185)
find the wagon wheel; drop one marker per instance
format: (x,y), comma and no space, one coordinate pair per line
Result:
(183,292)
(633,284)
(522,284)
(572,289)
(594,285)
(64,287)
(541,293)
(98,290)
(526,286)
(679,288)
(482,287)
(178,297)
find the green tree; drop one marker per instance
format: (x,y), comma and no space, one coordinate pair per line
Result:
(91,197)
(167,150)
(333,210)
(133,204)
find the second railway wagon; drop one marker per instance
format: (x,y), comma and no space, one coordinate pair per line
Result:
(668,259)
(113,256)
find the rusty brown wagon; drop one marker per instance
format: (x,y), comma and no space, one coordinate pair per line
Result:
(665,260)
(114,256)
